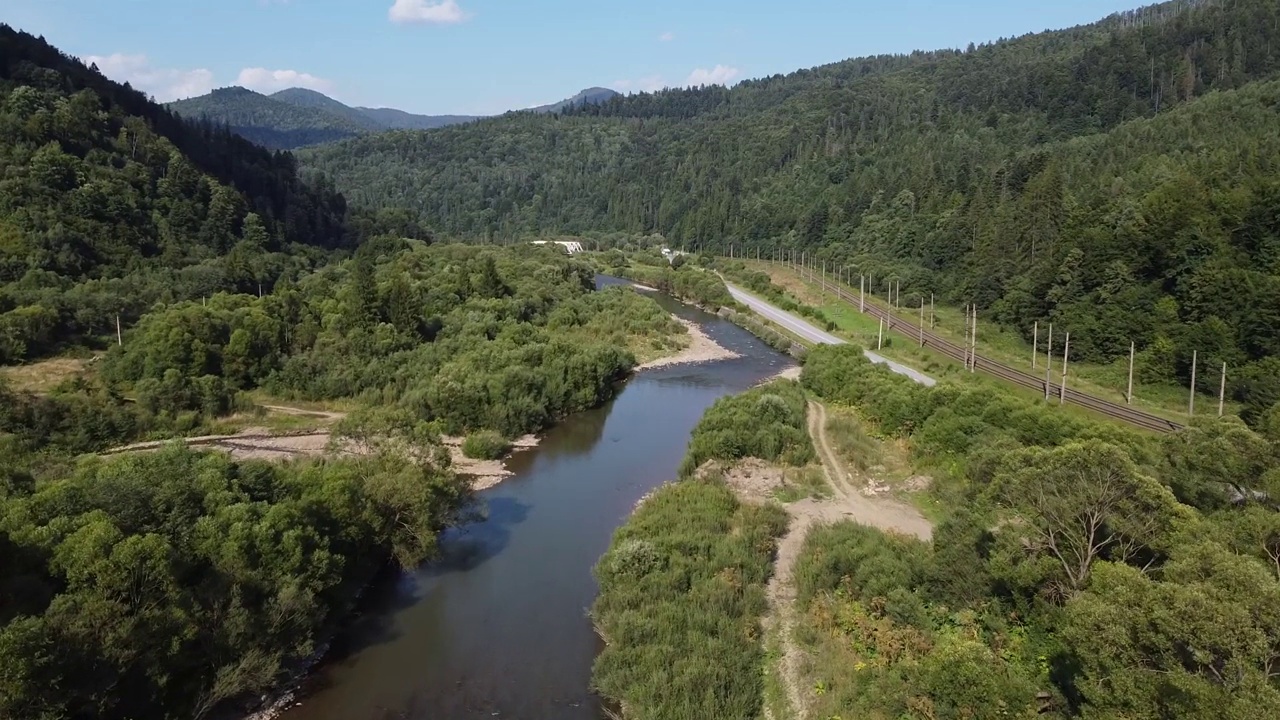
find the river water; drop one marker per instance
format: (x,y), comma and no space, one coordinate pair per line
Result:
(498,628)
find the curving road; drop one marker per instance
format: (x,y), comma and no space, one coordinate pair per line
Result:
(812,334)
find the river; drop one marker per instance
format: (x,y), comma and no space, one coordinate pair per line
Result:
(498,628)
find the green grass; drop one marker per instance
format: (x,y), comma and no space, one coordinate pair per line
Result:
(276,423)
(681,596)
(856,447)
(804,483)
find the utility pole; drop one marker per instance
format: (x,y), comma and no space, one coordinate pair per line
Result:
(933,315)
(966,336)
(880,340)
(1048,363)
(973,340)
(1191,404)
(862,293)
(1066,353)
(898,295)
(1222,390)
(1128,397)
(1035,343)
(824,279)
(119,336)
(921,321)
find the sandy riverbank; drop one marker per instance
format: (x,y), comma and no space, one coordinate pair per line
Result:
(701,349)
(261,444)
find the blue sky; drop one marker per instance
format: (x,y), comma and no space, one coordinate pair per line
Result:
(487,56)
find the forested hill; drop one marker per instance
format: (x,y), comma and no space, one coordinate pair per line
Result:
(298,117)
(1084,176)
(268,121)
(109,203)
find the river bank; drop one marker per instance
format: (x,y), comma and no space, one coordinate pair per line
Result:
(496,626)
(701,349)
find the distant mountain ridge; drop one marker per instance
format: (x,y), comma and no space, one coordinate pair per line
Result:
(298,117)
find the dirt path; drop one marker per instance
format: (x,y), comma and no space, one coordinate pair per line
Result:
(303,412)
(848,503)
(262,444)
(882,513)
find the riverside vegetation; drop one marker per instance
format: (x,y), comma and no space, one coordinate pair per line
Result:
(682,585)
(1082,569)
(161,585)
(180,583)
(1085,571)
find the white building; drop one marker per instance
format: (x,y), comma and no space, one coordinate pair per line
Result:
(570,246)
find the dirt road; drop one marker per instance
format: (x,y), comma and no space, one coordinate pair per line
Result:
(848,503)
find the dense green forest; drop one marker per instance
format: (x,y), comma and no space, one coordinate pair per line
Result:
(109,203)
(476,338)
(160,585)
(1117,179)
(298,117)
(1086,570)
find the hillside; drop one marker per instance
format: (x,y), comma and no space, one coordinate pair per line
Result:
(297,117)
(110,203)
(304,98)
(590,96)
(268,121)
(1117,179)
(392,119)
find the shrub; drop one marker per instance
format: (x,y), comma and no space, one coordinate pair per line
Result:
(485,445)
(681,595)
(767,423)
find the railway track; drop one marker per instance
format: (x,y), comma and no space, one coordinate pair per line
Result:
(1124,413)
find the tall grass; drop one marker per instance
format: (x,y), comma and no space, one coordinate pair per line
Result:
(848,438)
(681,595)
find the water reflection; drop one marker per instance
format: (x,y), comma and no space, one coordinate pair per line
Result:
(498,627)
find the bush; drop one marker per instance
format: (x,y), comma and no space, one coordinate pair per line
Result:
(767,423)
(485,445)
(681,595)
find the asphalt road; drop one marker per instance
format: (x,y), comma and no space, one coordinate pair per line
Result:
(814,335)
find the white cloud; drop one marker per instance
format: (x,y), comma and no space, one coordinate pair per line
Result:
(719,75)
(269,81)
(434,12)
(165,84)
(667,36)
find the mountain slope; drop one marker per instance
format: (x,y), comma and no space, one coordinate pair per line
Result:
(956,171)
(110,203)
(392,119)
(590,96)
(298,117)
(267,121)
(304,98)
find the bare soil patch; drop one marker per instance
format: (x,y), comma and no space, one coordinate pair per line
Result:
(256,443)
